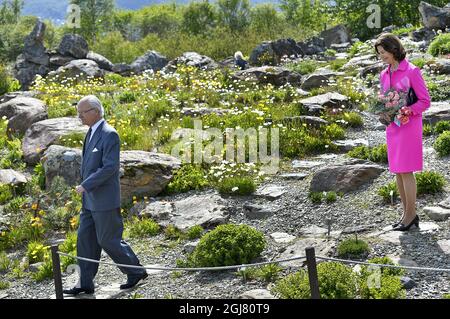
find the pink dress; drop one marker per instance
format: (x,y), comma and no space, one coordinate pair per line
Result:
(404,143)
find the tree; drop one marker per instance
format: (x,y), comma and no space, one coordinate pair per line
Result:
(234,14)
(306,14)
(10,11)
(266,20)
(95,16)
(199,17)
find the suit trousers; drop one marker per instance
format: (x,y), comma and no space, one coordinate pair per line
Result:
(103,230)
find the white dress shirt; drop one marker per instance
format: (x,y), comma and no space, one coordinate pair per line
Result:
(94,127)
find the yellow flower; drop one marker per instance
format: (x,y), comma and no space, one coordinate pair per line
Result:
(34,206)
(41,212)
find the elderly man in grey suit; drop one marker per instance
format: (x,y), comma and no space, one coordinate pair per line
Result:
(101,225)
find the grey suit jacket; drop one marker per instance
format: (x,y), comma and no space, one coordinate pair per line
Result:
(100,169)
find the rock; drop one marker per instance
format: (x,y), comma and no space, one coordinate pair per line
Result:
(122,69)
(388,29)
(423,34)
(373,69)
(81,69)
(444,245)
(254,211)
(322,247)
(62,161)
(74,45)
(347,145)
(101,61)
(204,210)
(294,176)
(34,50)
(22,112)
(12,177)
(445,203)
(159,210)
(12,95)
(145,173)
(317,79)
(438,214)
(191,59)
(332,100)
(313,231)
(341,47)
(313,46)
(35,267)
(270,192)
(268,74)
(407,283)
(257,294)
(344,178)
(338,34)
(361,61)
(306,164)
(60,60)
(313,121)
(441,66)
(403,261)
(151,60)
(399,238)
(190,247)
(45,133)
(282,238)
(272,52)
(25,71)
(434,17)
(356,229)
(438,111)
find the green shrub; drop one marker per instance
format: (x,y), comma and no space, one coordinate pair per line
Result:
(376,154)
(45,271)
(171,232)
(188,177)
(4,284)
(249,273)
(228,245)
(40,174)
(5,81)
(304,67)
(440,45)
(237,186)
(127,97)
(5,262)
(442,144)
(316,197)
(388,271)
(390,288)
(330,52)
(429,183)
(389,192)
(446,296)
(419,62)
(353,119)
(59,218)
(353,248)
(5,193)
(269,272)
(336,281)
(195,232)
(36,252)
(143,228)
(441,127)
(337,64)
(331,197)
(427,130)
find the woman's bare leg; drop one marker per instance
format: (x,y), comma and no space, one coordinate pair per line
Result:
(410,188)
(401,190)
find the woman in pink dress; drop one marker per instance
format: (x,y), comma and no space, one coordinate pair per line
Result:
(404,143)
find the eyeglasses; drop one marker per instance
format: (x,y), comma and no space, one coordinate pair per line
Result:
(83,112)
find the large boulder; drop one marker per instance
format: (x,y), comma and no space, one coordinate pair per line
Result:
(62,161)
(12,177)
(271,52)
(191,59)
(317,79)
(81,69)
(438,111)
(423,34)
(330,100)
(151,60)
(206,210)
(73,45)
(12,95)
(145,173)
(336,35)
(268,74)
(434,17)
(25,72)
(101,61)
(344,178)
(22,112)
(313,46)
(57,60)
(45,133)
(34,50)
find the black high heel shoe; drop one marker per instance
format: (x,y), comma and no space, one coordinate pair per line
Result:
(397,223)
(402,227)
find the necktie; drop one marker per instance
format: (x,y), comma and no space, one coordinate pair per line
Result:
(86,140)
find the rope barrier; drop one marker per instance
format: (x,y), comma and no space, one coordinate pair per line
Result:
(184,268)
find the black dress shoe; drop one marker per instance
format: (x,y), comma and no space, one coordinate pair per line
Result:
(403,227)
(133,282)
(75,291)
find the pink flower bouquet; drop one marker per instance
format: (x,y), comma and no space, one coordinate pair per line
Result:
(393,104)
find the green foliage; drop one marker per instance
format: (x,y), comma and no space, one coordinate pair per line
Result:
(316,197)
(352,119)
(440,45)
(330,52)
(188,177)
(331,197)
(389,271)
(171,232)
(74,139)
(419,62)
(376,154)
(45,271)
(139,228)
(386,191)
(269,272)
(442,144)
(36,251)
(199,17)
(234,14)
(69,246)
(40,175)
(4,284)
(5,262)
(336,281)
(303,67)
(237,186)
(337,64)
(228,245)
(5,81)
(429,183)
(195,232)
(446,296)
(5,193)
(441,127)
(427,130)
(353,248)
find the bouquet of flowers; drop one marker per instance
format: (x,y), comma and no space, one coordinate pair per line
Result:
(393,104)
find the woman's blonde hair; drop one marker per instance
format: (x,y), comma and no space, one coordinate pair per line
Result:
(238,55)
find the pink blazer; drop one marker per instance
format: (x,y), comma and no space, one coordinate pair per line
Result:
(407,75)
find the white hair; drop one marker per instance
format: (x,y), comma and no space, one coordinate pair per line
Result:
(93,101)
(238,55)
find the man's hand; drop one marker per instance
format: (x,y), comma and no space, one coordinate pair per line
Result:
(80,189)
